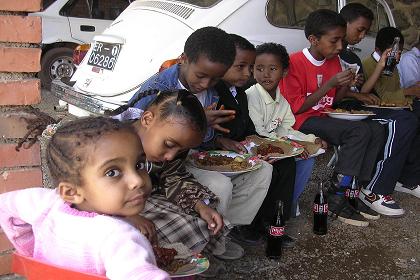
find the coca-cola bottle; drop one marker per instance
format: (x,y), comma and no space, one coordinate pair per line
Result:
(275,234)
(391,60)
(353,193)
(320,210)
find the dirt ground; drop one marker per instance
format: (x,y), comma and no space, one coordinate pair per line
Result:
(387,249)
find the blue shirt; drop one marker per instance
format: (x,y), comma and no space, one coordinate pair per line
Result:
(409,68)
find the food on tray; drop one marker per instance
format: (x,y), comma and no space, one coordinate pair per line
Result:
(394,104)
(233,164)
(164,256)
(266,149)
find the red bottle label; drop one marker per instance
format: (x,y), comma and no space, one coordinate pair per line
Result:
(320,208)
(352,193)
(276,231)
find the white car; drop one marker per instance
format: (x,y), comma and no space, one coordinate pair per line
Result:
(68,23)
(150,32)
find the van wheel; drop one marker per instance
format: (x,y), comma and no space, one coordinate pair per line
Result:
(57,63)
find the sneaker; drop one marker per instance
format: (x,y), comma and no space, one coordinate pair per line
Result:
(383,204)
(366,211)
(340,209)
(246,235)
(216,268)
(233,251)
(413,190)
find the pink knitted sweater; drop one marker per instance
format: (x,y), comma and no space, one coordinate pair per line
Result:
(41,225)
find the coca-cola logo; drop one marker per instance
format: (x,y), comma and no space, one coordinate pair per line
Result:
(352,193)
(320,208)
(276,231)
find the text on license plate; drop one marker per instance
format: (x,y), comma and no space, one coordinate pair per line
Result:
(104,55)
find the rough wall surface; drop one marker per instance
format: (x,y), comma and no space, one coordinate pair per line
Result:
(20,52)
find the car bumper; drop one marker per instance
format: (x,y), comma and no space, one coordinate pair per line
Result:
(92,105)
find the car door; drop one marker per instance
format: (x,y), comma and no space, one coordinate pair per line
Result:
(90,17)
(383,18)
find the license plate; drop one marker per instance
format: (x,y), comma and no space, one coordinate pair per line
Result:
(104,55)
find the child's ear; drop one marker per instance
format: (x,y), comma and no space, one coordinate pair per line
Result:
(313,40)
(147,118)
(70,193)
(183,59)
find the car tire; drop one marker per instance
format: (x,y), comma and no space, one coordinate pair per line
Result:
(56,63)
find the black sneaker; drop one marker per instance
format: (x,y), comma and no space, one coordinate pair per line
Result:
(340,209)
(366,211)
(246,235)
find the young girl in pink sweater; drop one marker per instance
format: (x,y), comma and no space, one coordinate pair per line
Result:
(100,172)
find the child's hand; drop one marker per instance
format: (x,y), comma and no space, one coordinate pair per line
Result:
(359,80)
(305,154)
(368,98)
(216,117)
(145,226)
(230,145)
(343,78)
(324,144)
(382,61)
(212,217)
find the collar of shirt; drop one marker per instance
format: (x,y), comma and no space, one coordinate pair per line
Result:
(311,59)
(267,97)
(416,51)
(376,56)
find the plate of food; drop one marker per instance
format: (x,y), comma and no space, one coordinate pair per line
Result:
(225,162)
(351,115)
(273,148)
(389,105)
(179,261)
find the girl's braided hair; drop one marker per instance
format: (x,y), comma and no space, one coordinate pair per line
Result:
(180,104)
(67,149)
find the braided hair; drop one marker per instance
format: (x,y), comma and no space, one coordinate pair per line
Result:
(180,104)
(67,149)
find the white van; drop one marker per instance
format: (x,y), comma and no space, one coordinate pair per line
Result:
(150,32)
(68,23)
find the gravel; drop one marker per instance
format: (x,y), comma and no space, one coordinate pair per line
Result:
(388,249)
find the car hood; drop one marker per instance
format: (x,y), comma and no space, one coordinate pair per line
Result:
(144,48)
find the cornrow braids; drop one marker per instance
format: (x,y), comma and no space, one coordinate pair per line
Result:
(35,127)
(138,97)
(66,153)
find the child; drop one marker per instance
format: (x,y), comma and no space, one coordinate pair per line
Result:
(389,91)
(99,169)
(233,97)
(314,82)
(208,53)
(270,112)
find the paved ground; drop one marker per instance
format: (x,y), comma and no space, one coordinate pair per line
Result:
(387,249)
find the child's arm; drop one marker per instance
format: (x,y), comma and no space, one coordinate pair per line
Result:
(145,226)
(414,90)
(369,85)
(212,217)
(128,255)
(19,210)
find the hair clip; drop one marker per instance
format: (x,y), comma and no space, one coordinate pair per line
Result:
(179,102)
(50,130)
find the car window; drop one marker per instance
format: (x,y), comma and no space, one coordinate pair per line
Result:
(293,13)
(200,3)
(47,3)
(96,9)
(381,18)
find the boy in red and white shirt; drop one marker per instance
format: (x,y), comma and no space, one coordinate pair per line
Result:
(314,82)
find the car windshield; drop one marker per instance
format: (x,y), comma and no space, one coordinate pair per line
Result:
(47,3)
(200,3)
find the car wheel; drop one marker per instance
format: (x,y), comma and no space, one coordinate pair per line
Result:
(57,63)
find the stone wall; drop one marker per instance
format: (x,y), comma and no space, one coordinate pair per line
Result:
(407,18)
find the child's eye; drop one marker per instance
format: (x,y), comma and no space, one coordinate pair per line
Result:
(259,69)
(273,68)
(169,144)
(113,173)
(144,165)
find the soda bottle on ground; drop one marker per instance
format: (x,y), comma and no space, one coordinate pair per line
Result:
(353,193)
(320,210)
(391,60)
(276,233)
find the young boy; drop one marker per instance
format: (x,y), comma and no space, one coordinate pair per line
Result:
(389,90)
(314,81)
(233,97)
(270,111)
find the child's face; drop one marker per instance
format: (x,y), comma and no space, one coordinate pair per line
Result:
(240,72)
(328,45)
(268,71)
(357,30)
(164,139)
(114,179)
(200,75)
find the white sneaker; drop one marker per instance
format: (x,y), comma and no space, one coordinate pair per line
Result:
(413,190)
(234,251)
(383,204)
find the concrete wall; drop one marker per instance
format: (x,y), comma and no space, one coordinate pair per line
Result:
(407,18)
(19,61)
